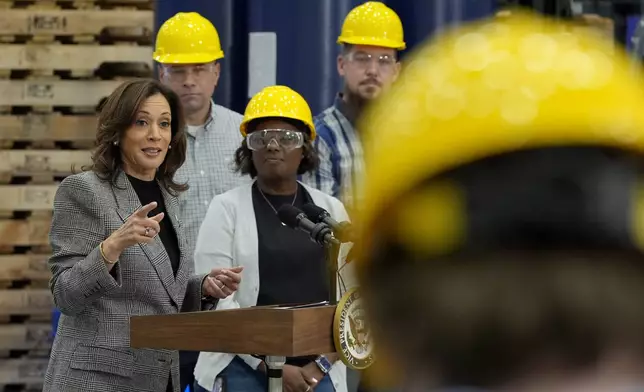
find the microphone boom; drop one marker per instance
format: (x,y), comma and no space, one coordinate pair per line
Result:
(341,230)
(296,219)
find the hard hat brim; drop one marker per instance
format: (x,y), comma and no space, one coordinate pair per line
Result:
(371,41)
(244,124)
(192,58)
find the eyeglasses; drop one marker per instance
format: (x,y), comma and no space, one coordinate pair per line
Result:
(384,62)
(179,73)
(284,138)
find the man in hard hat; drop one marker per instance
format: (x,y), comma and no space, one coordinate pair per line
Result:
(372,35)
(501,238)
(188,51)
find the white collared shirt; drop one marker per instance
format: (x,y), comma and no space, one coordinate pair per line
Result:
(209,168)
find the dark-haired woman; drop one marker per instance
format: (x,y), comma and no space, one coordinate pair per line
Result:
(281,265)
(119,250)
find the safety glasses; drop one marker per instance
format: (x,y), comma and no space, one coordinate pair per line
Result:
(179,73)
(284,138)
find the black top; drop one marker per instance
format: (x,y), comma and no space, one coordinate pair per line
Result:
(149,191)
(292,268)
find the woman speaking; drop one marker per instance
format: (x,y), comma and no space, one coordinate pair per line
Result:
(282,266)
(119,249)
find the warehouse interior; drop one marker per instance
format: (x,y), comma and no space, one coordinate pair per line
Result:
(59,60)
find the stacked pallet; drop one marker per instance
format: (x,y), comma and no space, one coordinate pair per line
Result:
(60,59)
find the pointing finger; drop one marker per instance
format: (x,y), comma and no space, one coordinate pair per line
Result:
(145,210)
(158,217)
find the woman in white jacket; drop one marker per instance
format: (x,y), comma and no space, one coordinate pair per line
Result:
(281,265)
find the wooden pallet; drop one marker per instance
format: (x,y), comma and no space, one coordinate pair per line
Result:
(25,233)
(27,197)
(21,25)
(87,59)
(25,337)
(44,95)
(47,128)
(26,301)
(82,4)
(25,267)
(23,370)
(40,166)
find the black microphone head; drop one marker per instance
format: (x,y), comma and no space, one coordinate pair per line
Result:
(290,215)
(314,213)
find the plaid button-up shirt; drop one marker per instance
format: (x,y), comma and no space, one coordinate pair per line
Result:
(209,168)
(341,160)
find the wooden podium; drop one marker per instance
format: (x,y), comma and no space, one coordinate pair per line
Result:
(276,332)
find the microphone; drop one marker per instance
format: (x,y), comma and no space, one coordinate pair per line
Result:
(342,230)
(295,218)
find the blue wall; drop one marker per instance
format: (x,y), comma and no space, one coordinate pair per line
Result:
(306,33)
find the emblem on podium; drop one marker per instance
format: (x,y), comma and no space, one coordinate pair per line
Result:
(351,333)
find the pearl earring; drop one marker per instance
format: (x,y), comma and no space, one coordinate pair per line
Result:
(170,147)
(116,143)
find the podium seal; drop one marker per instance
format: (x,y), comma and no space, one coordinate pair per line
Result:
(351,334)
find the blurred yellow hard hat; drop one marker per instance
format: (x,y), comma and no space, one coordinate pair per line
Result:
(187,38)
(490,88)
(278,101)
(373,24)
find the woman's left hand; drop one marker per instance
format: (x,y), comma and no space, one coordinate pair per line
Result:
(222,282)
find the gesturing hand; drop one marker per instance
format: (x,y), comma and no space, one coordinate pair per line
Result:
(295,379)
(138,228)
(222,282)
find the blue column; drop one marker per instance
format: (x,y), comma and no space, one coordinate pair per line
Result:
(306,43)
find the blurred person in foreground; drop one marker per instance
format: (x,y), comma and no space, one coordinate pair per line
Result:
(371,37)
(281,265)
(119,249)
(188,51)
(502,235)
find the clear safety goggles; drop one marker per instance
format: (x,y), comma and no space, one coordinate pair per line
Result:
(364,60)
(180,73)
(284,138)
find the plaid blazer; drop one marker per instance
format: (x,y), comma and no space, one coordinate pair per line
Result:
(91,350)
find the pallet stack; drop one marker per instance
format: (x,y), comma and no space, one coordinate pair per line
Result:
(59,59)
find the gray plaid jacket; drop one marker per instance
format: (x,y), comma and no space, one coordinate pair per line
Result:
(91,351)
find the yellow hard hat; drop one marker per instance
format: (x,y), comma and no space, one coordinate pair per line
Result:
(490,88)
(373,24)
(187,38)
(278,101)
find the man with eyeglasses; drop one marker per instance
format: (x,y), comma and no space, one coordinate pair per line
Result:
(187,51)
(372,35)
